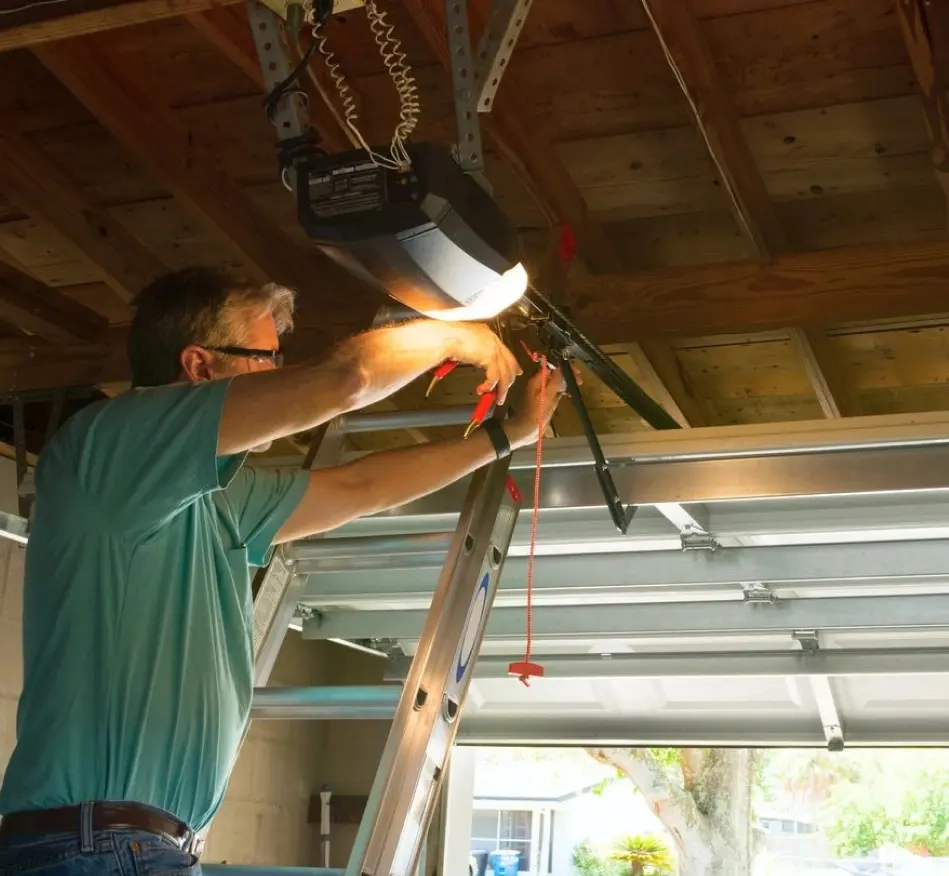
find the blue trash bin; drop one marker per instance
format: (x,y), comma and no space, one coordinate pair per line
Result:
(505,862)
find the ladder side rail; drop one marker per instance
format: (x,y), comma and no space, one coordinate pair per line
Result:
(406,786)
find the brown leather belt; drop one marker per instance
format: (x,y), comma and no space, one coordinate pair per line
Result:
(105,816)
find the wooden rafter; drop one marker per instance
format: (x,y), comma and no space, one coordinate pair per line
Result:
(166,146)
(925,28)
(228,30)
(717,121)
(37,310)
(41,189)
(50,23)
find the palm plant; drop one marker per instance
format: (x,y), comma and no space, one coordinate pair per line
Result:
(644,855)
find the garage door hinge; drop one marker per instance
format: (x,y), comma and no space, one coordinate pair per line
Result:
(697,540)
(758,593)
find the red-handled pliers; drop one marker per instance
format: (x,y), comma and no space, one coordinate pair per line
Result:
(441,372)
(481,411)
(485,402)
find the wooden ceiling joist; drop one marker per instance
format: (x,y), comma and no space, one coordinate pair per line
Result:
(50,23)
(925,28)
(37,310)
(717,121)
(41,189)
(168,149)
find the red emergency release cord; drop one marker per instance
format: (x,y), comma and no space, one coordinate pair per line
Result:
(526,669)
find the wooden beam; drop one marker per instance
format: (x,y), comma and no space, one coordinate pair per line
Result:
(228,30)
(717,121)
(515,136)
(925,28)
(664,377)
(41,189)
(166,146)
(834,395)
(44,312)
(805,289)
(56,22)
(30,363)
(688,55)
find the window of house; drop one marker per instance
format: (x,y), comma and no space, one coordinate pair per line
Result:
(494,829)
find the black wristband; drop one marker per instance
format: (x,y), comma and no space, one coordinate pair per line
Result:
(495,431)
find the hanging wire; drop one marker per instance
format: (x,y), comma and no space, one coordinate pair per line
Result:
(400,73)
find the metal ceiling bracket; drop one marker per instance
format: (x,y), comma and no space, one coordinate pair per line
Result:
(496,45)
(464,87)
(758,593)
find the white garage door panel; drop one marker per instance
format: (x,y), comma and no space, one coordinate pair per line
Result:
(822,613)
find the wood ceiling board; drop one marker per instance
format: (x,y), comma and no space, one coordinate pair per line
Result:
(806,289)
(32,99)
(905,400)
(893,216)
(679,240)
(97,162)
(45,192)
(45,312)
(894,359)
(772,409)
(42,251)
(769,60)
(179,65)
(745,371)
(37,25)
(101,299)
(837,150)
(180,240)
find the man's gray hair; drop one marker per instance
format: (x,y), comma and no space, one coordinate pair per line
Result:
(204,306)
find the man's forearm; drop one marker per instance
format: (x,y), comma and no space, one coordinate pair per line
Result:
(384,480)
(393,477)
(268,405)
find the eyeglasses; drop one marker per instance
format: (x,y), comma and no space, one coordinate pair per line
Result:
(275,357)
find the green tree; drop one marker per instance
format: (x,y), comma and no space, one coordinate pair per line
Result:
(901,798)
(702,796)
(586,862)
(646,855)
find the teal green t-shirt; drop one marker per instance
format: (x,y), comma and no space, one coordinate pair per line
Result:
(137,627)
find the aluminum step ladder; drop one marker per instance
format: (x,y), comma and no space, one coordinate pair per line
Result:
(427,710)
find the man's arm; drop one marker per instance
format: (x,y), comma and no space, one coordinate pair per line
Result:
(268,405)
(391,478)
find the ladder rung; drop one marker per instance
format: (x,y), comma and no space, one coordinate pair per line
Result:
(360,546)
(383,421)
(247,870)
(340,703)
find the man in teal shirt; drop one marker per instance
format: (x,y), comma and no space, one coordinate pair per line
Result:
(138,660)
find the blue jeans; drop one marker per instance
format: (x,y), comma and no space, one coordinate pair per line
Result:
(110,853)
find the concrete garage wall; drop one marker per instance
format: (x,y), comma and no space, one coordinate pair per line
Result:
(263,819)
(352,749)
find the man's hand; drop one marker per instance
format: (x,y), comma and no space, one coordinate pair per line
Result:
(522,428)
(475,344)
